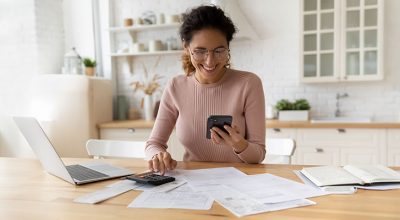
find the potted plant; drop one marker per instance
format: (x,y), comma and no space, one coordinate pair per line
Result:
(90,66)
(293,111)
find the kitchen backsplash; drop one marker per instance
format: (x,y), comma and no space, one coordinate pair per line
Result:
(275,58)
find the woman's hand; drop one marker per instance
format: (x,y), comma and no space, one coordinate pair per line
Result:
(233,139)
(162,162)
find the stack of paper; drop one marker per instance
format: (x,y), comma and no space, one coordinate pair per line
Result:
(197,189)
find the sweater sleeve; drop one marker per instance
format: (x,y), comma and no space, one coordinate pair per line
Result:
(164,124)
(254,112)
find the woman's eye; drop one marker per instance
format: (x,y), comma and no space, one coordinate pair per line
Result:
(201,52)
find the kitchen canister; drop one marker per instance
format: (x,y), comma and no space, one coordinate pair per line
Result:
(128,22)
(160,18)
(155,45)
(137,47)
(171,19)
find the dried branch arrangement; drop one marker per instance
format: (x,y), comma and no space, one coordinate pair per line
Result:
(149,83)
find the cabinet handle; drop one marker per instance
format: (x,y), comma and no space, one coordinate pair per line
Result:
(277,129)
(131,130)
(319,150)
(341,130)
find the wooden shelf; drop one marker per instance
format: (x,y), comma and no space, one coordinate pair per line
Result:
(162,52)
(144,27)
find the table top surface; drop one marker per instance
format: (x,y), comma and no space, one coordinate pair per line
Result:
(28,192)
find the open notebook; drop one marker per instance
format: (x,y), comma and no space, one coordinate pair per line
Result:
(350,175)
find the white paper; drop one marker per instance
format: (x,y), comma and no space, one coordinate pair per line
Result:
(331,190)
(107,192)
(340,189)
(180,198)
(241,204)
(265,188)
(211,174)
(196,178)
(348,189)
(169,186)
(305,179)
(381,186)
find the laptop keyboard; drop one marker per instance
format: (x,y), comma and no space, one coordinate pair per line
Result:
(82,173)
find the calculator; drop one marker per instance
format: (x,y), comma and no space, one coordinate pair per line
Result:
(151,178)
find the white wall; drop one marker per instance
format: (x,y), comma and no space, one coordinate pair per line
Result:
(78,25)
(275,58)
(32,42)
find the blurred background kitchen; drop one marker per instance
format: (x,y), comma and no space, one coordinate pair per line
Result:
(342,56)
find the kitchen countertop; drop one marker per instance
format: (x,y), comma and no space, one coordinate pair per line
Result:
(268,123)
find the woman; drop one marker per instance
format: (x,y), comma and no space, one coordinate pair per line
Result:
(209,87)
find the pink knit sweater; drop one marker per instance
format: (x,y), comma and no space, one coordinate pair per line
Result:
(186,104)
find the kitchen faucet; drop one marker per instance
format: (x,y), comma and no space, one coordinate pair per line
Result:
(339,96)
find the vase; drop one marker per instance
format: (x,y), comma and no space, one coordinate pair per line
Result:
(122,107)
(148,107)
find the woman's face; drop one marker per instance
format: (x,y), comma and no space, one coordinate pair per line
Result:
(208,53)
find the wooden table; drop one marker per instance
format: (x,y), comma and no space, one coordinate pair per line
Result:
(27,192)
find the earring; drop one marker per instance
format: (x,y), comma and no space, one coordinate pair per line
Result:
(228,64)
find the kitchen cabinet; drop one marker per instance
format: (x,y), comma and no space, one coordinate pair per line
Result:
(393,142)
(142,134)
(341,40)
(281,132)
(329,146)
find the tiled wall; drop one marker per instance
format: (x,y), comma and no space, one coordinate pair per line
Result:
(275,58)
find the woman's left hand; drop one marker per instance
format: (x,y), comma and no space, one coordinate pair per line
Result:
(233,138)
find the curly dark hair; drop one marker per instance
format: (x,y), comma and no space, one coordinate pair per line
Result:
(205,16)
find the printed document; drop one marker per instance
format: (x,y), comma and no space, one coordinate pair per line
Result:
(266,188)
(179,198)
(241,204)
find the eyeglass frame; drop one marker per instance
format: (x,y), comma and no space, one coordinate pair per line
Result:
(208,53)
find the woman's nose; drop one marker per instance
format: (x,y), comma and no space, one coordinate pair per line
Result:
(210,59)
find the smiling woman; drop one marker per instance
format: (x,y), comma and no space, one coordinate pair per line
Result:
(209,87)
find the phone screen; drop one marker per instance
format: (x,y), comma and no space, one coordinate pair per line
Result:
(218,121)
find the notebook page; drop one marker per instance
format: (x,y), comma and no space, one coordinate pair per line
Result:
(373,173)
(330,175)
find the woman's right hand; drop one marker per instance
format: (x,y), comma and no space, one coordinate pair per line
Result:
(162,162)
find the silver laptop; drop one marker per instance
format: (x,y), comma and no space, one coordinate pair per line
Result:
(51,161)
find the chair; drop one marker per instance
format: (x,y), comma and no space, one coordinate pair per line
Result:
(279,150)
(113,148)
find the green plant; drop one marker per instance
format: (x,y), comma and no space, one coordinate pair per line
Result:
(89,62)
(284,104)
(299,104)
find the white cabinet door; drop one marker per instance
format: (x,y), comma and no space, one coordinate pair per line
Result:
(313,155)
(341,146)
(393,143)
(320,43)
(281,133)
(130,134)
(341,40)
(365,146)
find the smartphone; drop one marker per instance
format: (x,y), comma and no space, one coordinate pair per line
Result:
(218,121)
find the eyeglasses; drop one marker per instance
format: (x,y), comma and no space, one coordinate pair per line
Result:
(219,53)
